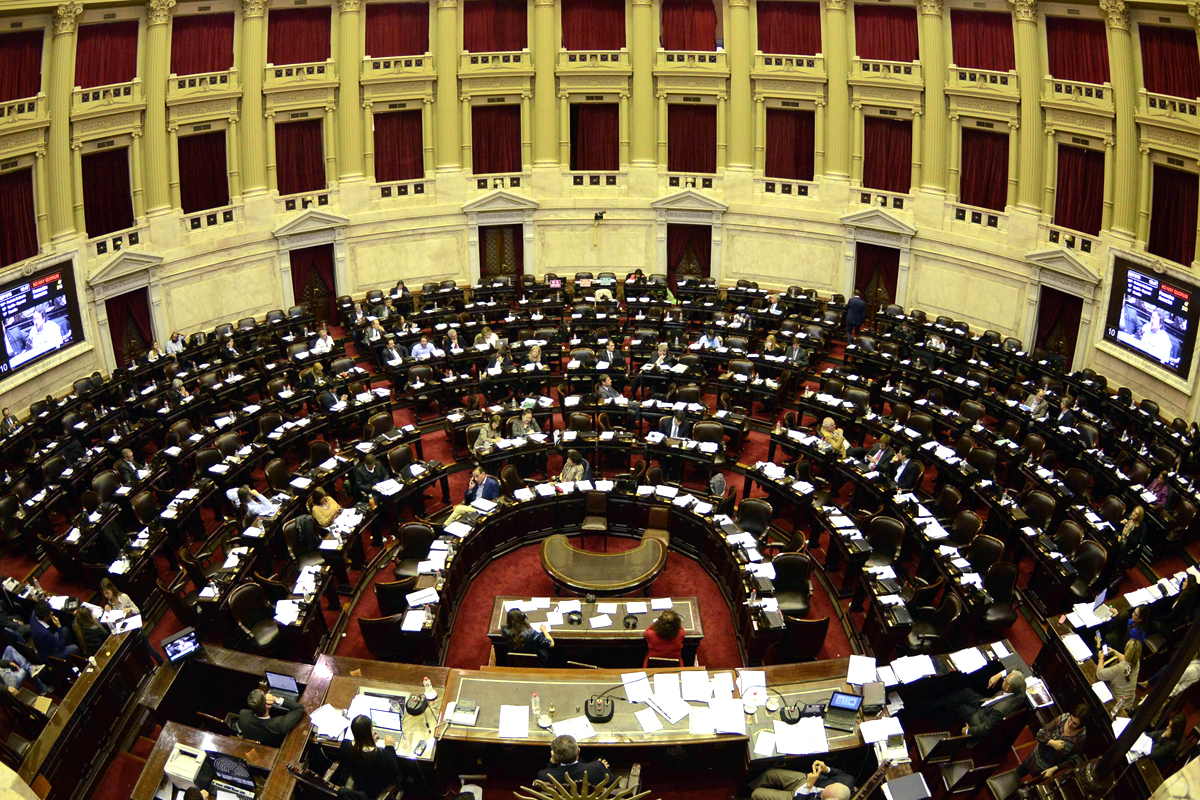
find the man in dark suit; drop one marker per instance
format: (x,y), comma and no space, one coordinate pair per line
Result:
(796,355)
(366,473)
(675,427)
(564,763)
(327,399)
(8,423)
(1066,417)
(981,713)
(607,392)
(903,470)
(481,485)
(127,467)
(823,781)
(612,354)
(856,313)
(256,722)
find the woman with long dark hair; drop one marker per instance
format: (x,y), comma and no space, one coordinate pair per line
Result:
(1167,742)
(523,638)
(664,637)
(364,766)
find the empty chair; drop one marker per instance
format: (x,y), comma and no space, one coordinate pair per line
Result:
(884,534)
(279,479)
(983,461)
(255,616)
(793,584)
(931,628)
(804,638)
(947,504)
(1089,561)
(754,517)
(1112,510)
(415,541)
(1077,481)
(1039,507)
(1068,537)
(658,526)
(595,518)
(983,552)
(1000,583)
(391,595)
(382,636)
(965,528)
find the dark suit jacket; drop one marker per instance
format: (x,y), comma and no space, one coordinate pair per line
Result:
(127,471)
(608,391)
(888,454)
(664,426)
(307,540)
(796,355)
(618,357)
(596,772)
(229,356)
(669,360)
(364,479)
(856,311)
(982,721)
(327,399)
(835,775)
(908,476)
(503,363)
(1066,418)
(488,490)
(447,345)
(270,731)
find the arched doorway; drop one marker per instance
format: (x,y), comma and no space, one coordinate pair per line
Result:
(876,274)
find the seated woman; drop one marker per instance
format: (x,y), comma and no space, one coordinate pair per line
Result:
(573,468)
(522,638)
(364,768)
(92,634)
(1167,741)
(1120,670)
(1182,608)
(664,638)
(487,336)
(771,347)
(324,509)
(1160,489)
(1058,744)
(490,433)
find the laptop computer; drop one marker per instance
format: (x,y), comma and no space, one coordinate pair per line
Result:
(842,712)
(283,686)
(182,645)
(387,722)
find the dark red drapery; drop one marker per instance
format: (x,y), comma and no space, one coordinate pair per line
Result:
(983,177)
(18,220)
(20,65)
(1058,319)
(304,261)
(982,40)
(1079,192)
(789,28)
(203,172)
(106,53)
(1077,49)
(201,43)
(593,24)
(494,26)
(689,25)
(399,146)
(397,29)
(299,157)
(691,138)
(595,137)
(791,144)
(1173,215)
(496,139)
(107,201)
(871,260)
(1170,60)
(502,234)
(886,33)
(298,35)
(131,308)
(680,239)
(887,154)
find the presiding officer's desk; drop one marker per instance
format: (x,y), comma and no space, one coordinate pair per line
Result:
(260,758)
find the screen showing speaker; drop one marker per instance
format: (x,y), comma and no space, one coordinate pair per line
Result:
(39,316)
(1152,317)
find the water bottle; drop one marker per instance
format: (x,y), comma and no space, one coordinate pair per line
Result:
(536,705)
(429,692)
(754,597)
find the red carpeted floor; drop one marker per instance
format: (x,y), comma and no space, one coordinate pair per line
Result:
(120,778)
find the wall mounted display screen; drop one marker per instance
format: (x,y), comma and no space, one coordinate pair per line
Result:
(1152,317)
(39,316)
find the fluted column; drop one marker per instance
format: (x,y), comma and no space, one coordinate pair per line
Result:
(740,153)
(272,180)
(1029,78)
(623,129)
(918,133)
(855,143)
(663,115)
(349,114)
(449,151)
(1051,172)
(157,170)
(173,154)
(1125,142)
(254,126)
(642,147)
(1143,215)
(137,180)
(818,140)
(545,98)
(564,130)
(760,135)
(1014,158)
(42,189)
(837,67)
(1109,165)
(234,160)
(933,60)
(61,160)
(952,180)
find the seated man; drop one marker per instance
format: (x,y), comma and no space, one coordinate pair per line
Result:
(979,713)
(256,722)
(565,763)
(825,782)
(15,669)
(366,474)
(127,467)
(323,345)
(50,636)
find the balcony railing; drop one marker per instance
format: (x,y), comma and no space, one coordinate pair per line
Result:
(401,190)
(27,109)
(983,217)
(1096,95)
(597,179)
(787,189)
(227,216)
(690,61)
(806,66)
(488,63)
(116,242)
(592,60)
(684,180)
(183,87)
(903,71)
(983,80)
(304,201)
(882,199)
(397,67)
(100,97)
(293,75)
(1168,111)
(485,183)
(1070,239)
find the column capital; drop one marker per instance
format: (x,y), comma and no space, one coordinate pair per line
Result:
(64,17)
(349,6)
(1194,13)
(158,12)
(739,3)
(645,3)
(1024,10)
(1116,15)
(254,8)
(835,5)
(447,3)
(931,7)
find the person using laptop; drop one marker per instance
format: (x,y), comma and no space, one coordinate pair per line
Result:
(364,768)
(255,721)
(823,781)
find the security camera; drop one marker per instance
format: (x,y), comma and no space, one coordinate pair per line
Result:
(599,216)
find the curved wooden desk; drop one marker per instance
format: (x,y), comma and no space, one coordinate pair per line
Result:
(580,572)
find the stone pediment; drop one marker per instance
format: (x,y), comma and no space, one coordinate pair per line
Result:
(310,221)
(1064,263)
(689,200)
(123,265)
(878,220)
(499,200)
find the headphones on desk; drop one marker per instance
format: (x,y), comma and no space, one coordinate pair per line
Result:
(575,617)
(630,621)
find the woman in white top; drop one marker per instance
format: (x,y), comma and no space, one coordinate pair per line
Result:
(487,336)
(115,599)
(1120,671)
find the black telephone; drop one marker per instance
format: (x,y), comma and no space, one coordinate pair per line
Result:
(599,709)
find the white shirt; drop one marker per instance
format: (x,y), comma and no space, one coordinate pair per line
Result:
(48,338)
(174,347)
(322,345)
(900,471)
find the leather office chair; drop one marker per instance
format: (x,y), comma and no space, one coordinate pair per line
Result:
(793,583)
(964,446)
(1089,561)
(1010,429)
(595,518)
(510,480)
(254,616)
(400,458)
(947,504)
(145,508)
(197,570)
(972,410)
(415,541)
(186,609)
(1180,522)
(804,639)
(710,431)
(966,525)
(936,396)
(205,459)
(1139,472)
(885,535)
(105,485)
(381,423)
(1039,507)
(900,412)
(983,461)
(580,423)
(1112,510)
(1089,434)
(984,551)
(290,532)
(279,478)
(1031,449)
(654,476)
(1068,537)
(383,638)
(392,595)
(931,628)
(658,526)
(754,517)
(1000,583)
(921,423)
(319,451)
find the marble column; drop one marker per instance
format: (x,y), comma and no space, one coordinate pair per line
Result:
(157,171)
(448,153)
(234,160)
(1125,142)
(1014,159)
(61,160)
(545,98)
(933,134)
(349,114)
(837,66)
(269,165)
(740,50)
(173,152)
(254,126)
(818,140)
(1109,165)
(1143,216)
(1029,79)
(644,46)
(954,167)
(42,190)
(1051,173)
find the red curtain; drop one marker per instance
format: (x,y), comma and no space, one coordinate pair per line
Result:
(680,239)
(496,139)
(1077,49)
(887,154)
(107,201)
(871,260)
(886,33)
(20,65)
(689,25)
(691,138)
(595,138)
(494,26)
(593,24)
(1058,314)
(298,35)
(983,177)
(201,43)
(203,172)
(306,259)
(982,40)
(1173,215)
(18,220)
(1170,61)
(131,308)
(791,144)
(1079,192)
(299,157)
(789,28)
(399,146)
(397,29)
(106,53)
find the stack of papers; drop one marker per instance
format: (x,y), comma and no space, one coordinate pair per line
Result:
(969,660)
(913,668)
(514,722)
(806,737)
(862,670)
(1076,647)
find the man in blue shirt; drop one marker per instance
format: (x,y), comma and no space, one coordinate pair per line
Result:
(423,349)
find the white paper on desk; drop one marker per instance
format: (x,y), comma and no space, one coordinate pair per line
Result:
(750,679)
(1076,647)
(804,738)
(567,606)
(636,608)
(671,708)
(601,621)
(887,676)
(666,684)
(660,603)
(457,529)
(862,670)
(637,686)
(423,597)
(700,721)
(728,716)
(877,730)
(414,620)
(554,618)
(969,660)
(722,685)
(286,612)
(329,722)
(514,722)
(913,668)
(694,685)
(764,744)
(1102,691)
(649,720)
(1000,650)
(606,608)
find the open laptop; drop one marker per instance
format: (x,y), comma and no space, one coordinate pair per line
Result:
(387,722)
(841,713)
(283,686)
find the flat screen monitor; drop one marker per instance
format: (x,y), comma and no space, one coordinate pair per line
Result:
(1152,317)
(844,701)
(231,770)
(182,645)
(39,316)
